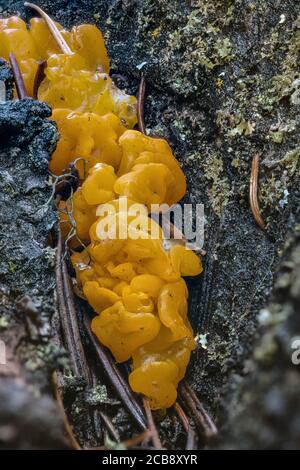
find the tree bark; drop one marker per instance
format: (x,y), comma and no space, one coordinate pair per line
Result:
(222,86)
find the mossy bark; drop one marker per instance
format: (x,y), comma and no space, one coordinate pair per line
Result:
(28,414)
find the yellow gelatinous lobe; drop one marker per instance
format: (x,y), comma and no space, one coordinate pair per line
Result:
(28,70)
(104,250)
(137,301)
(132,225)
(119,287)
(68,84)
(185,261)
(98,297)
(43,39)
(98,187)
(160,265)
(141,301)
(140,149)
(147,283)
(147,184)
(134,285)
(172,309)
(14,22)
(84,215)
(159,366)
(87,41)
(123,271)
(91,137)
(36,44)
(157,381)
(123,331)
(16,39)
(30,46)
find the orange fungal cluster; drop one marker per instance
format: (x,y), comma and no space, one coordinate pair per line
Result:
(133,280)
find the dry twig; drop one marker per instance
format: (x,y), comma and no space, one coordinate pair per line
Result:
(141,438)
(39,77)
(68,316)
(191,435)
(20,85)
(69,325)
(151,425)
(62,44)
(203,421)
(110,427)
(253,192)
(141,105)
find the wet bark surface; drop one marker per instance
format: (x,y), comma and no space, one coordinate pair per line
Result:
(261,406)
(223,85)
(28,414)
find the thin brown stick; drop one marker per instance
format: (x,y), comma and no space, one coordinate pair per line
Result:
(191,435)
(62,44)
(116,379)
(182,416)
(110,427)
(151,425)
(69,324)
(141,104)
(72,328)
(57,395)
(253,192)
(203,421)
(68,316)
(39,77)
(20,85)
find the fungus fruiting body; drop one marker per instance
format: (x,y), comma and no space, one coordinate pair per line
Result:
(133,282)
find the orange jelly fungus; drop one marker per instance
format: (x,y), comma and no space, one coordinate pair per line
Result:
(134,283)
(35,44)
(93,138)
(135,287)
